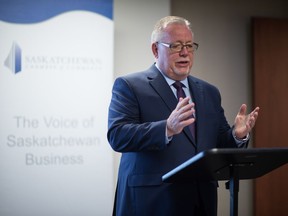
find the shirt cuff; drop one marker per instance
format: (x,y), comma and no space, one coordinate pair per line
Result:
(167,139)
(240,141)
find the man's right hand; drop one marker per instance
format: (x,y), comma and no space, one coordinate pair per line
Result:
(180,117)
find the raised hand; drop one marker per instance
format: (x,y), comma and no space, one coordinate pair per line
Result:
(245,122)
(180,117)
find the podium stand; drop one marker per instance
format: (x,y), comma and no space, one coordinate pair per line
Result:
(229,164)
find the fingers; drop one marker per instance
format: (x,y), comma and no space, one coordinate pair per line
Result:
(185,109)
(243,109)
(184,104)
(181,116)
(252,117)
(245,122)
(254,113)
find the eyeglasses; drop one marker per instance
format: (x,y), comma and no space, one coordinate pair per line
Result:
(178,47)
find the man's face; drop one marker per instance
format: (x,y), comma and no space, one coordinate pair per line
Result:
(176,65)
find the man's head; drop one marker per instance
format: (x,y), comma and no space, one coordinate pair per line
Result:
(173,46)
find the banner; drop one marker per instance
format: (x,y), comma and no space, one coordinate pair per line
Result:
(56,73)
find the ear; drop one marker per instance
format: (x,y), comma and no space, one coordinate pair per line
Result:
(155,50)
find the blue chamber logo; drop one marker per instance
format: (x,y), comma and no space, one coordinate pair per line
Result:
(17,62)
(13,60)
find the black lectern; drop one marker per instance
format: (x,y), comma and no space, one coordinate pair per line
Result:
(229,164)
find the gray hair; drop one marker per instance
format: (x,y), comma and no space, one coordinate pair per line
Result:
(164,22)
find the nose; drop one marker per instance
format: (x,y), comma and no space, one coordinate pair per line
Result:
(184,51)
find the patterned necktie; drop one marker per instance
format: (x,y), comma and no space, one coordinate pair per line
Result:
(180,93)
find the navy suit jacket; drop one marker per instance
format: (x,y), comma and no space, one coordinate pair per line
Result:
(140,105)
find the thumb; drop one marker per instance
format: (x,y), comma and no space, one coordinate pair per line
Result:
(242,110)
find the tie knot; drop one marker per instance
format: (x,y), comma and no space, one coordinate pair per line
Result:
(178,85)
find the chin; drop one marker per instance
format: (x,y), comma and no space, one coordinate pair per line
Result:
(184,72)
(180,73)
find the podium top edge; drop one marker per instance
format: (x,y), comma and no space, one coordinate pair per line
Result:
(232,151)
(225,157)
(244,150)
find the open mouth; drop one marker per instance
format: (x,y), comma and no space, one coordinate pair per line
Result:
(183,63)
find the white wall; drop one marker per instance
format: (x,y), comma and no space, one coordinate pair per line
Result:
(134,22)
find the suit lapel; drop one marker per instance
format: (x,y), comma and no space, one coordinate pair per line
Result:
(159,84)
(198,97)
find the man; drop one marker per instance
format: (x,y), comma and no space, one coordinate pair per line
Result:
(155,132)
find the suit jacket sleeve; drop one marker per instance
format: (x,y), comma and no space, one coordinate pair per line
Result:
(126,132)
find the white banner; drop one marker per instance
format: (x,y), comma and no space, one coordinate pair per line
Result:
(55,81)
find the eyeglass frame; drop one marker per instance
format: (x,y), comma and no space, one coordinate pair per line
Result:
(169,45)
